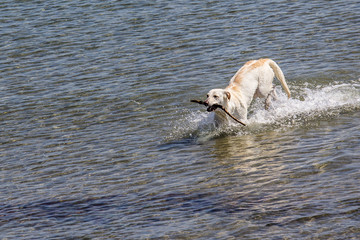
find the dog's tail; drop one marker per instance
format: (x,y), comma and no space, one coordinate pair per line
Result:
(280,76)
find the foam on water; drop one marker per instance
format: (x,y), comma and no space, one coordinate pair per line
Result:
(309,104)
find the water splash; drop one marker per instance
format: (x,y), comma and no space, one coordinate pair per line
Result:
(308,104)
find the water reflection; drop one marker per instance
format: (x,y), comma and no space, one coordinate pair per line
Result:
(264,147)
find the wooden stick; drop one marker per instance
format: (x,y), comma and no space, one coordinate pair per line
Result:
(221,107)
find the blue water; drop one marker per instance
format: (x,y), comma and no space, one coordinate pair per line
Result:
(99,139)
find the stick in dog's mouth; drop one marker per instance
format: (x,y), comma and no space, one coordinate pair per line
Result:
(210,108)
(214,107)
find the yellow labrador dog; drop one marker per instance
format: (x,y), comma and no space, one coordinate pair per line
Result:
(252,80)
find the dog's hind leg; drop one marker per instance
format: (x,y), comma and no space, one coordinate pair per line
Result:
(271,96)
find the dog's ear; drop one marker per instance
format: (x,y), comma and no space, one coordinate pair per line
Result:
(228,95)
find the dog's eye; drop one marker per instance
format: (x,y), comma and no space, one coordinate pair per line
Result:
(216,96)
(207,95)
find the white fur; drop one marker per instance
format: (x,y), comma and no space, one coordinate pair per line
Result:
(252,80)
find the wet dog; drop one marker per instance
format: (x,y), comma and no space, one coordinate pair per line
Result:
(253,80)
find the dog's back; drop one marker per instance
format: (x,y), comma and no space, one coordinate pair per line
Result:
(247,69)
(252,71)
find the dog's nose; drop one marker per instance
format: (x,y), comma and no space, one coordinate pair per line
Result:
(206,102)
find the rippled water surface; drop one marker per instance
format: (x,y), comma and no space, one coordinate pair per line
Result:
(99,139)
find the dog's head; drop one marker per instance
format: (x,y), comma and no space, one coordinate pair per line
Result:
(217,97)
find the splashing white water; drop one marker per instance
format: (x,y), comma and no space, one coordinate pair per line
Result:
(308,104)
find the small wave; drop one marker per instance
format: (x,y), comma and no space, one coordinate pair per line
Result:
(307,105)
